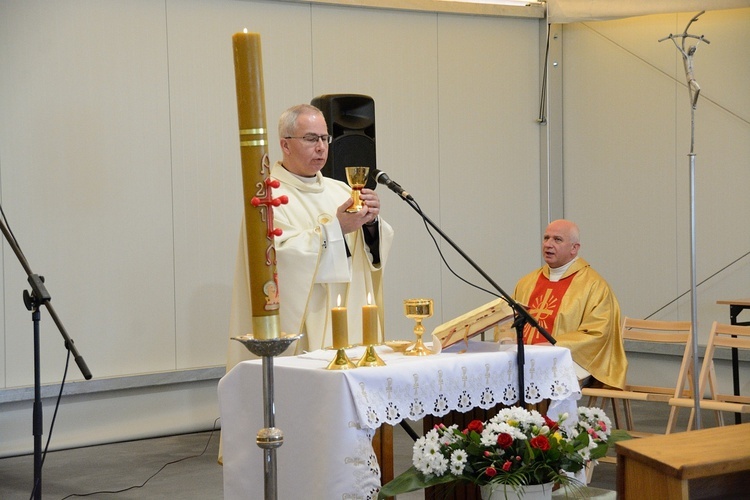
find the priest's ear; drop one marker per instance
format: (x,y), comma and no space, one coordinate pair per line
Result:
(284,143)
(574,249)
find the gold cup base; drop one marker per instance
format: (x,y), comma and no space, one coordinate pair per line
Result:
(340,361)
(370,358)
(418,349)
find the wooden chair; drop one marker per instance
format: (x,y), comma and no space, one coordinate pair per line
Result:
(722,335)
(652,332)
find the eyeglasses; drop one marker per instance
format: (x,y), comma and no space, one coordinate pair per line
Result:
(313,138)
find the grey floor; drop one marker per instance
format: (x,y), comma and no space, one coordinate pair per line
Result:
(185,466)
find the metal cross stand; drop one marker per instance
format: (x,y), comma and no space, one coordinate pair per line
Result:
(694,91)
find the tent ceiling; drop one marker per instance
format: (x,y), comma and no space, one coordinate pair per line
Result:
(569,11)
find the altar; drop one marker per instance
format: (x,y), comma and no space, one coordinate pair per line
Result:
(329,417)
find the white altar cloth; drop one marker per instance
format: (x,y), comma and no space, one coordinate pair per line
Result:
(329,417)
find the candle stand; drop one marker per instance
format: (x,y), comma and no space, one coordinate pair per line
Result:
(341,361)
(269,437)
(370,358)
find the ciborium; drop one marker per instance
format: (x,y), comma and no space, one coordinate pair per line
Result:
(357,178)
(418,309)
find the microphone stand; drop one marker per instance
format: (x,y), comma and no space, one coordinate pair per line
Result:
(522,316)
(32,300)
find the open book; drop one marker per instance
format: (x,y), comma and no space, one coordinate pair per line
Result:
(491,315)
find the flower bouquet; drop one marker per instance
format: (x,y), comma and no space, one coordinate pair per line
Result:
(516,448)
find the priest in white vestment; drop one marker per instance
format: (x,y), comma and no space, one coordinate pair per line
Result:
(324,251)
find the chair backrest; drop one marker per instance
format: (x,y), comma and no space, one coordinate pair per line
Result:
(649,330)
(721,335)
(667,333)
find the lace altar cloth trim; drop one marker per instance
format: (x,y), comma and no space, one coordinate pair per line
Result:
(412,387)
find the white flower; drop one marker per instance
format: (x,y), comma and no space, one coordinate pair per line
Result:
(458,461)
(442,450)
(438,464)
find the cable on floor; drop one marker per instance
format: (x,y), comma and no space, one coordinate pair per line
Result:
(137,486)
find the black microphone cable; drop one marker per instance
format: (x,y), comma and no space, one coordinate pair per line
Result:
(137,486)
(416,206)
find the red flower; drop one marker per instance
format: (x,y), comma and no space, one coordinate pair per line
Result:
(507,465)
(491,471)
(504,440)
(550,423)
(476,425)
(540,442)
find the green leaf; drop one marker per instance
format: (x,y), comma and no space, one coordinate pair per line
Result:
(618,435)
(411,480)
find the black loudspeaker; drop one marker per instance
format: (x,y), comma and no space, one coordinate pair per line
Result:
(351,123)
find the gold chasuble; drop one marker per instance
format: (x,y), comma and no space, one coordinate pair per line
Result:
(582,313)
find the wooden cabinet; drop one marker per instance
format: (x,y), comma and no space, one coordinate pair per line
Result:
(709,463)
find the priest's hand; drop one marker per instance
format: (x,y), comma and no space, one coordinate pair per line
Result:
(351,222)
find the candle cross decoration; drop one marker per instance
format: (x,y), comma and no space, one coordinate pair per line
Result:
(265,200)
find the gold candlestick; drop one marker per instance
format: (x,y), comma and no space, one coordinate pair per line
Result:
(370,358)
(340,333)
(370,333)
(418,309)
(341,361)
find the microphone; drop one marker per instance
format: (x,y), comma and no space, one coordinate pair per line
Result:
(382,178)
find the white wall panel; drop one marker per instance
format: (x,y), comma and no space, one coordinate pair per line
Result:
(392,57)
(86,183)
(627,139)
(489,154)
(620,167)
(206,165)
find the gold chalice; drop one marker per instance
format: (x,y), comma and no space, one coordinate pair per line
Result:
(418,309)
(357,178)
